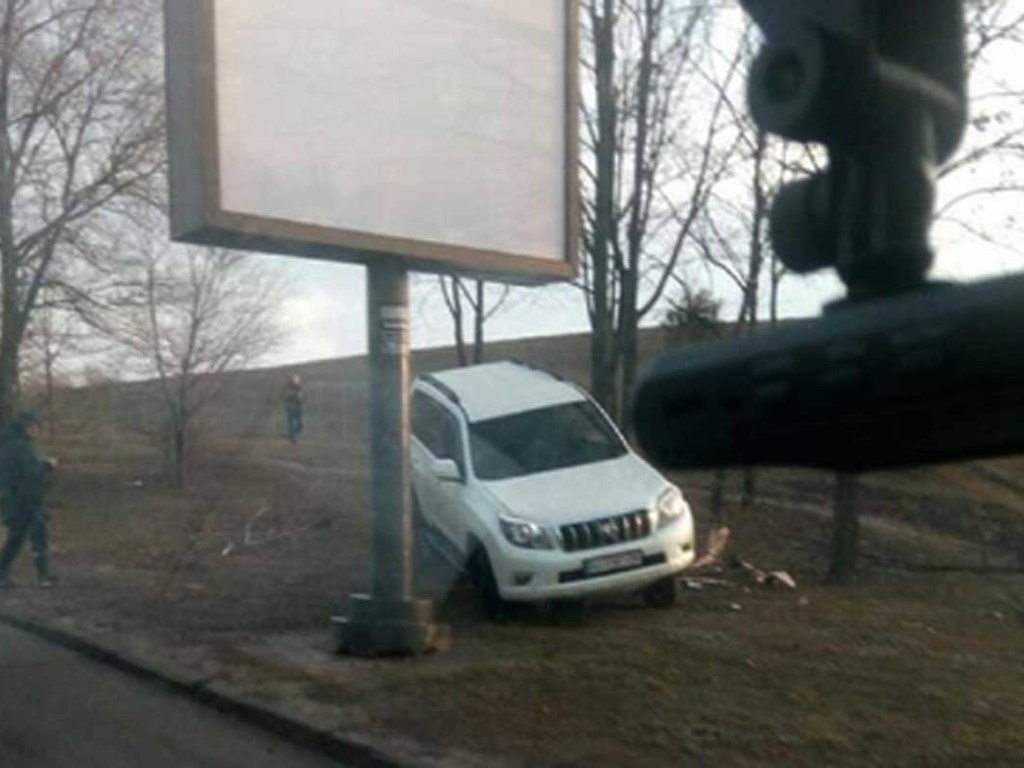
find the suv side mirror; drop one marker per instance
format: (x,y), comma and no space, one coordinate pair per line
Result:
(446,470)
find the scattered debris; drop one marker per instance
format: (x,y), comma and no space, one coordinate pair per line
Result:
(718,540)
(713,559)
(763,578)
(249,539)
(782,578)
(252,538)
(738,564)
(735,607)
(698,583)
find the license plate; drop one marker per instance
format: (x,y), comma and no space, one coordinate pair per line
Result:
(622,561)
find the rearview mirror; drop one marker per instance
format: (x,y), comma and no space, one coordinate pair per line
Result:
(446,470)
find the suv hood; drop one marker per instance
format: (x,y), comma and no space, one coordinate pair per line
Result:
(577,494)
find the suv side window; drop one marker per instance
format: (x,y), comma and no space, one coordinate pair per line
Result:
(451,440)
(437,429)
(425,422)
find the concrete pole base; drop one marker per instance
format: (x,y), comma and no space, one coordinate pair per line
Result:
(389,628)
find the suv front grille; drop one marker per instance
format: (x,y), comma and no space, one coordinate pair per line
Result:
(606,532)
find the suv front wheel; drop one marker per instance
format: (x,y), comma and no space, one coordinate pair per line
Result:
(662,593)
(494,605)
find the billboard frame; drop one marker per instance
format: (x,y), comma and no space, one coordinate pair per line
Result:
(196,214)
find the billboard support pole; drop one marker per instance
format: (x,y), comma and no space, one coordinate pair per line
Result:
(390,620)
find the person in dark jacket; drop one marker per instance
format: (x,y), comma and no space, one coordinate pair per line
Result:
(293,407)
(24,477)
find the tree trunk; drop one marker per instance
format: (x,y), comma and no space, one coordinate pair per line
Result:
(776,276)
(749,487)
(179,455)
(50,409)
(598,370)
(601,384)
(629,296)
(845,528)
(628,348)
(11,330)
(8,253)
(759,218)
(775,300)
(630,363)
(479,316)
(9,346)
(718,516)
(455,306)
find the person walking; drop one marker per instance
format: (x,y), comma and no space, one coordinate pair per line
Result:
(293,407)
(24,478)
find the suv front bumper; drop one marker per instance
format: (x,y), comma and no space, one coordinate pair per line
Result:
(537,575)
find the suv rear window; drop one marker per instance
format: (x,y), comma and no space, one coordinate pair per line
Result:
(542,440)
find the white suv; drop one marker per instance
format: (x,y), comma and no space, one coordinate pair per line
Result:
(521,478)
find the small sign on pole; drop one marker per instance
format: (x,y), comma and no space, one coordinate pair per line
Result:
(393,331)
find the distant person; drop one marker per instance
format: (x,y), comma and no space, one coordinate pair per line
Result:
(293,407)
(24,478)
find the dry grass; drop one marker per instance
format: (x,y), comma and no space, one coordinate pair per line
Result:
(900,669)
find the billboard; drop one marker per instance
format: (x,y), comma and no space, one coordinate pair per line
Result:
(439,132)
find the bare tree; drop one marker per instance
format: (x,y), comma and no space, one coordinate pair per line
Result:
(80,125)
(184,316)
(732,233)
(990,165)
(693,315)
(649,164)
(471,298)
(845,530)
(54,336)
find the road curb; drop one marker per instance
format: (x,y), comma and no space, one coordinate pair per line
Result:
(348,750)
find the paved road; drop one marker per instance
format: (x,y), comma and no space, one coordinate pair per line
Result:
(60,710)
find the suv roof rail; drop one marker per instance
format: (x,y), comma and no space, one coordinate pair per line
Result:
(538,368)
(441,387)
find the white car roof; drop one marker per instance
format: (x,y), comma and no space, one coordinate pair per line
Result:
(491,390)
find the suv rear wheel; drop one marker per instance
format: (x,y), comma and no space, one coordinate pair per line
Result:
(423,551)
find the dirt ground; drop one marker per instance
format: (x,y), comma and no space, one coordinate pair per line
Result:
(921,662)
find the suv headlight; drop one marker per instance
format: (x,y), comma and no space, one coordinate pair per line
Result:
(521,533)
(671,506)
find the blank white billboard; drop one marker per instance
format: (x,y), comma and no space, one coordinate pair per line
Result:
(442,132)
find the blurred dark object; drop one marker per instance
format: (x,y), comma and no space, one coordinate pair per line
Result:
(881,84)
(937,375)
(902,371)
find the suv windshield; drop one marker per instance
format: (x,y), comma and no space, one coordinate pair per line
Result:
(542,440)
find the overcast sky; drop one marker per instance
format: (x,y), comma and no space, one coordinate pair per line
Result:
(326,312)
(326,309)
